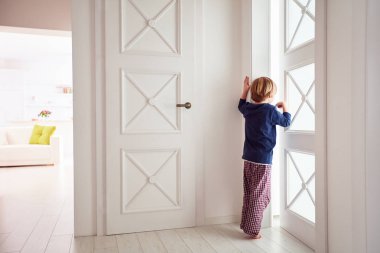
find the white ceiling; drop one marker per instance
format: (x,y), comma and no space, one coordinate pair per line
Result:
(29,47)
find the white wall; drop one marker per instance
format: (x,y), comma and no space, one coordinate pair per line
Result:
(346,125)
(372,127)
(43,14)
(339,106)
(11,95)
(35,86)
(339,87)
(353,90)
(222,122)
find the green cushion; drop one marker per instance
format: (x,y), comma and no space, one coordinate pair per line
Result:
(41,134)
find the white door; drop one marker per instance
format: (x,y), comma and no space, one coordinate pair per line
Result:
(298,163)
(150,177)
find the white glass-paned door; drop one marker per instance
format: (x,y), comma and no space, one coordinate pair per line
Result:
(300,22)
(297,67)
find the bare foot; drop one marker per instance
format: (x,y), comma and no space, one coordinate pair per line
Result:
(255,237)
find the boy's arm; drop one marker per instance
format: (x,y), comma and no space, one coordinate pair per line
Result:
(243,97)
(282,105)
(245,88)
(242,105)
(282,119)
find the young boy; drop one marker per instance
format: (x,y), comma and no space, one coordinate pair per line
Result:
(261,119)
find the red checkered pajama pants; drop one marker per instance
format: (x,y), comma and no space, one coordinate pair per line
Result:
(257,179)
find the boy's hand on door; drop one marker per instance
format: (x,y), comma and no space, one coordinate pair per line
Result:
(246,84)
(245,88)
(282,105)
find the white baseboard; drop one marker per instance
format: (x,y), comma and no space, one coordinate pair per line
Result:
(222,219)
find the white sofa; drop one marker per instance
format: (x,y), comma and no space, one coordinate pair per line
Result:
(15,149)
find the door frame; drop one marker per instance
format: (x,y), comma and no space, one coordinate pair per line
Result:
(321,226)
(100,126)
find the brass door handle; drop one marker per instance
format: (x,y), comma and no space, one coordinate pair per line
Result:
(187,105)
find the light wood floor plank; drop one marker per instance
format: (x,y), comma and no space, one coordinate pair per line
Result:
(12,213)
(239,239)
(103,242)
(128,243)
(265,243)
(107,250)
(3,237)
(39,239)
(218,241)
(16,240)
(150,242)
(285,242)
(291,237)
(82,245)
(65,224)
(54,206)
(59,244)
(194,241)
(172,242)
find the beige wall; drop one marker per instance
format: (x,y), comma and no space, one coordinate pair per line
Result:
(41,14)
(346,85)
(222,122)
(372,127)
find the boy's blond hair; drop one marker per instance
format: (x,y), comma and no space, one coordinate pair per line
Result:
(262,88)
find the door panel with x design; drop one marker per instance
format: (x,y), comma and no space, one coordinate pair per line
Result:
(300,168)
(151,26)
(300,22)
(151,180)
(149,102)
(300,94)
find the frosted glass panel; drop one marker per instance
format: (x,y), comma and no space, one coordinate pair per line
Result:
(305,32)
(294,17)
(304,207)
(300,16)
(293,96)
(294,184)
(304,77)
(305,120)
(300,95)
(311,187)
(311,97)
(307,162)
(312,7)
(303,2)
(300,181)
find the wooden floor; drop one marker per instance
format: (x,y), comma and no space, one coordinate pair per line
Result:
(36,215)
